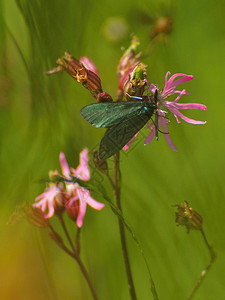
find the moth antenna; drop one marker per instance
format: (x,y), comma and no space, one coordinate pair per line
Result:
(134,97)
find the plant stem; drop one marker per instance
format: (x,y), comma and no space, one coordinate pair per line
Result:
(86,276)
(78,242)
(207,268)
(73,254)
(66,232)
(117,194)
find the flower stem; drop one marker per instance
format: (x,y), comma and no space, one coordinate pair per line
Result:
(207,268)
(86,276)
(66,232)
(117,194)
(78,242)
(73,254)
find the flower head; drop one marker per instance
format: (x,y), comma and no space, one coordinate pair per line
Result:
(78,197)
(51,201)
(71,196)
(173,106)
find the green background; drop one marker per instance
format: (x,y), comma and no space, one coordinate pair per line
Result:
(40,117)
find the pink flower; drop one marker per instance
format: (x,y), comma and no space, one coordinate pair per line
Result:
(78,197)
(51,200)
(173,106)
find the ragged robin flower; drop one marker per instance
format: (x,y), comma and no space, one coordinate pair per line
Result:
(78,197)
(52,200)
(73,197)
(173,106)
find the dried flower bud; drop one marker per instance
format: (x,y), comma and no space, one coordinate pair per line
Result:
(135,83)
(85,73)
(104,97)
(17,214)
(101,165)
(130,58)
(163,25)
(187,217)
(35,216)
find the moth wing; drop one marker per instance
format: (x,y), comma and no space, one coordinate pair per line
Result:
(119,135)
(108,114)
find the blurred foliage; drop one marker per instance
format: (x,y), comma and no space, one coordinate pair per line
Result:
(40,117)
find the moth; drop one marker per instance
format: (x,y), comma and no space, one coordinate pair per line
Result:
(122,120)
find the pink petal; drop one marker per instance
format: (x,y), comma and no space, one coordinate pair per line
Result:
(41,204)
(166,135)
(186,105)
(81,214)
(127,146)
(176,117)
(50,210)
(82,206)
(166,76)
(175,111)
(89,200)
(170,84)
(94,204)
(183,92)
(153,88)
(152,127)
(150,137)
(88,63)
(64,165)
(82,171)
(40,196)
(177,82)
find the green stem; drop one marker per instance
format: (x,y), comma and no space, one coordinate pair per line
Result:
(66,232)
(73,254)
(78,242)
(86,276)
(206,269)
(117,194)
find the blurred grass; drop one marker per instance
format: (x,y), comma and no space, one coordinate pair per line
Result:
(40,117)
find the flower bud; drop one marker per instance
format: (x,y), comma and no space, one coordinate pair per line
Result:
(101,165)
(130,58)
(85,73)
(162,25)
(35,216)
(187,217)
(104,97)
(135,83)
(72,208)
